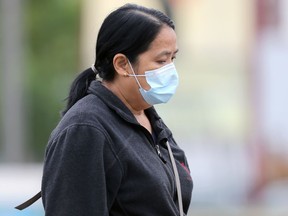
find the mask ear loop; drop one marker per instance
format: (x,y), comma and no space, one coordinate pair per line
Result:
(134,75)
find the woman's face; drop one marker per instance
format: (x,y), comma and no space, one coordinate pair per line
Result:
(161,51)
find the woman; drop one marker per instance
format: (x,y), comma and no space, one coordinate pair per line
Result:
(109,153)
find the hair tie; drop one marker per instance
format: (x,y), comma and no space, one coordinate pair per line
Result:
(96,73)
(94,69)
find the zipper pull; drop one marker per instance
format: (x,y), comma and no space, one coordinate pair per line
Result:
(158,150)
(157,147)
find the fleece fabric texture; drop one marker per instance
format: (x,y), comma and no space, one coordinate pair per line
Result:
(100,161)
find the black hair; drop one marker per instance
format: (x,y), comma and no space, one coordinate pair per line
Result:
(128,30)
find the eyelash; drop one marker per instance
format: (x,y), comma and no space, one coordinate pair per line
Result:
(162,62)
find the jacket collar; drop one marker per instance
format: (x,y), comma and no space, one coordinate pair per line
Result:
(114,103)
(111,100)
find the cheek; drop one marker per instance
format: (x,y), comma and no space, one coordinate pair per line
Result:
(142,79)
(144,83)
(132,86)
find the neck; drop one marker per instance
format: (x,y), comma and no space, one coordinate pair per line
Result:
(138,113)
(136,110)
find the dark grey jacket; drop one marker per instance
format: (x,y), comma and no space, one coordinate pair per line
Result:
(100,161)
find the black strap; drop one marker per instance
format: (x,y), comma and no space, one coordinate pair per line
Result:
(29,202)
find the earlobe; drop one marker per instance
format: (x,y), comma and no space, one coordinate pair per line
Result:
(120,64)
(125,74)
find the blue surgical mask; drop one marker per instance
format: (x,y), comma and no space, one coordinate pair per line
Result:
(163,82)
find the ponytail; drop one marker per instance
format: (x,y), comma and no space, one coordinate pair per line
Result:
(79,88)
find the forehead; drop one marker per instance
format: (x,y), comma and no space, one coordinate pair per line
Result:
(165,41)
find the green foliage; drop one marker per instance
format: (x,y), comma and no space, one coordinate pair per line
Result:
(51,29)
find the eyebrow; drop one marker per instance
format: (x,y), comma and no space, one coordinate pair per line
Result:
(167,53)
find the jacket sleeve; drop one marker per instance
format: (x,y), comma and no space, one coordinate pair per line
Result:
(74,181)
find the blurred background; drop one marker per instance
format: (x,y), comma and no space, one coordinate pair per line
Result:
(229,113)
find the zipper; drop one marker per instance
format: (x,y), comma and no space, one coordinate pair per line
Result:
(157,147)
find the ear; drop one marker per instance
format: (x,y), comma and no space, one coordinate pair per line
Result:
(120,63)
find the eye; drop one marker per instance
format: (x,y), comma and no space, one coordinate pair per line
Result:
(161,62)
(173,58)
